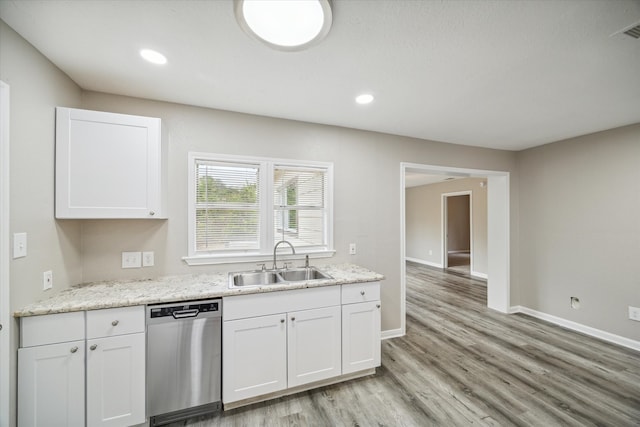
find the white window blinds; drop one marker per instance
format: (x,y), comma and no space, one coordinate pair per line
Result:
(239,207)
(299,202)
(227,206)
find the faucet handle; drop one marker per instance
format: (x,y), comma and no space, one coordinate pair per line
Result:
(287,264)
(262,266)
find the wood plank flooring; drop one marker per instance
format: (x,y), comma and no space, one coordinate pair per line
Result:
(462,364)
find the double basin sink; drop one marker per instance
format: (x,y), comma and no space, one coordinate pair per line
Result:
(276,277)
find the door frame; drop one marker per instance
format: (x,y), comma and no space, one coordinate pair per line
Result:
(445,227)
(498,235)
(5,306)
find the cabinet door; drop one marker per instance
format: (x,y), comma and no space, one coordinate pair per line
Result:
(360,336)
(107,165)
(254,357)
(314,345)
(116,380)
(51,385)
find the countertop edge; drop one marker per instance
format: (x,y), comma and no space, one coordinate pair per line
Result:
(56,304)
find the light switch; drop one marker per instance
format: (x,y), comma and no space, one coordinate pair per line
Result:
(19,245)
(147,259)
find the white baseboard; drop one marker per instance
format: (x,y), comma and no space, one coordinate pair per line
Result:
(423,262)
(587,330)
(479,275)
(391,333)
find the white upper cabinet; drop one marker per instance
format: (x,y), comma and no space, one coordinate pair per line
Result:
(108,165)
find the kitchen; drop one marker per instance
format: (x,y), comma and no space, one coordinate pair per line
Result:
(366,209)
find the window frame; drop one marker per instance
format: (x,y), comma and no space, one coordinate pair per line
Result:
(264,253)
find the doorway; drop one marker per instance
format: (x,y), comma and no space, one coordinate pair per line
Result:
(457,241)
(498,235)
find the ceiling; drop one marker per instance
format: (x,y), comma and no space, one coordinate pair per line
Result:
(490,73)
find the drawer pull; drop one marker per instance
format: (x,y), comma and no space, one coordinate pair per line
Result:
(93,347)
(281,320)
(74,349)
(293,318)
(362,293)
(152,213)
(115,323)
(377,305)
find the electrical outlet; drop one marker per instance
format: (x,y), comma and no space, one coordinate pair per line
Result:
(131,259)
(634,313)
(147,259)
(352,248)
(47,280)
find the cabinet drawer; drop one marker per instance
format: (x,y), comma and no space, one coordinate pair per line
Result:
(264,304)
(115,321)
(360,292)
(51,328)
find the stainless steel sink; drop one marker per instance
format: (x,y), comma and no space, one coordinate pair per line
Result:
(303,274)
(275,277)
(256,278)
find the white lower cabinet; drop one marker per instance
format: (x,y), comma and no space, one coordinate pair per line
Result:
(67,377)
(116,380)
(360,326)
(279,340)
(51,385)
(296,345)
(254,356)
(313,350)
(360,336)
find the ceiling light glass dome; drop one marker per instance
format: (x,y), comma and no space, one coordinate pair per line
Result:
(288,25)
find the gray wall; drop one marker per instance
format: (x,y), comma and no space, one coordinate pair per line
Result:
(36,86)
(424,221)
(366,199)
(580,229)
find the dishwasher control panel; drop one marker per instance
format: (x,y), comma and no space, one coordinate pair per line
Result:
(180,310)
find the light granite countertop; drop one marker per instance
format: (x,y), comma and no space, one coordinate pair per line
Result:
(123,293)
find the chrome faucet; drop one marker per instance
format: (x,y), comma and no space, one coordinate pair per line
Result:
(275,248)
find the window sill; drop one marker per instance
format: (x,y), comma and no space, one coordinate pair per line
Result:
(253,258)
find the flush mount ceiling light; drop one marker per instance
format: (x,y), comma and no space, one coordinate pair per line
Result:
(365,98)
(287,25)
(153,56)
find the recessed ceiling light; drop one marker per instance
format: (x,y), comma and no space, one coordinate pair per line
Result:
(365,98)
(285,24)
(153,56)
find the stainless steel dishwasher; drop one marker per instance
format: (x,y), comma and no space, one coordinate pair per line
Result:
(184,360)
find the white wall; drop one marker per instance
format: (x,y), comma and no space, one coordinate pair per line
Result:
(37,86)
(580,229)
(424,221)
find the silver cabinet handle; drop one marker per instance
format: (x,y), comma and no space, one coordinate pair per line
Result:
(152,213)
(361,292)
(93,347)
(115,323)
(73,349)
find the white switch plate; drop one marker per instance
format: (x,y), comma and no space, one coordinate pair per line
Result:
(131,259)
(147,259)
(47,280)
(352,248)
(19,245)
(634,313)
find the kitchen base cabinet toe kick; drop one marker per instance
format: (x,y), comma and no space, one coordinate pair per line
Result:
(280,343)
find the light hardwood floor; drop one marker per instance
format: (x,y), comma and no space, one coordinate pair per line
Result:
(461,364)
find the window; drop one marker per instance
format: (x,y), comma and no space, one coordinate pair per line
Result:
(240,207)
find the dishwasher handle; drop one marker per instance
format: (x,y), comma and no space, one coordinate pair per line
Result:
(185,314)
